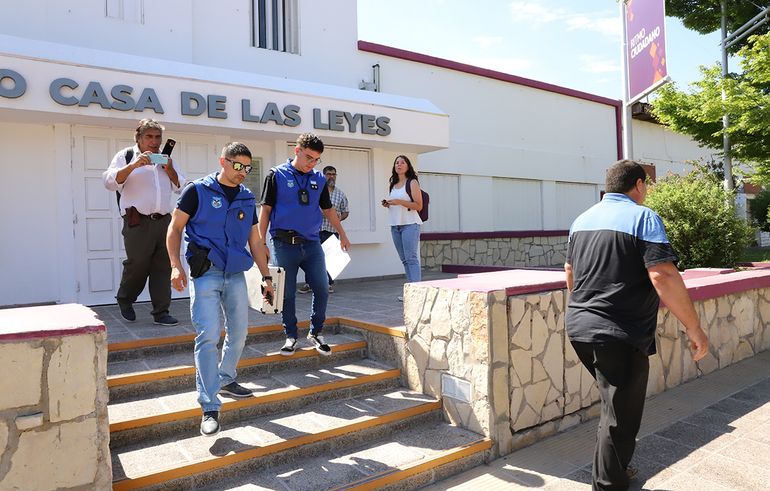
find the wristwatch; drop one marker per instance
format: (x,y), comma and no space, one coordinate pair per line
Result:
(265,278)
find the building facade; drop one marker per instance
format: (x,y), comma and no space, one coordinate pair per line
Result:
(496,152)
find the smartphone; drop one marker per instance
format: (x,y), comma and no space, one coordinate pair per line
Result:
(168,147)
(158,159)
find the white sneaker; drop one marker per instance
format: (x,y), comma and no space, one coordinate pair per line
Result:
(289,347)
(400,298)
(319,344)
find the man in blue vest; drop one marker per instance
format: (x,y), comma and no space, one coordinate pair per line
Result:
(219,218)
(294,200)
(619,266)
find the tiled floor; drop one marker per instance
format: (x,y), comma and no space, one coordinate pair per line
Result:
(366,300)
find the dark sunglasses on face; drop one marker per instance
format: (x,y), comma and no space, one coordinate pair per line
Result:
(237,166)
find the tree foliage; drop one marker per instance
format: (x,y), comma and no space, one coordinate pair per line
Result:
(759,208)
(705,16)
(698,113)
(700,220)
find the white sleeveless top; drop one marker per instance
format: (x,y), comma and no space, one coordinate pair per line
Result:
(401,215)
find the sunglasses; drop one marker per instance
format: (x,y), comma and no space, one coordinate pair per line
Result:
(237,166)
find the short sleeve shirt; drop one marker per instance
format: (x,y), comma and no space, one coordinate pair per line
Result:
(610,247)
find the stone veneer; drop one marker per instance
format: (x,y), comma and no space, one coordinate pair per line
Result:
(506,339)
(511,249)
(54,431)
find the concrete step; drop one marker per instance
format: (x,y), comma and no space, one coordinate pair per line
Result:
(178,412)
(192,461)
(141,348)
(166,371)
(406,459)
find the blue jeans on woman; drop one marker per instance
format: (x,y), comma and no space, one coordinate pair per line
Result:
(211,294)
(310,257)
(406,238)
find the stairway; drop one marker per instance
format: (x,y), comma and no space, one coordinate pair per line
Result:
(339,422)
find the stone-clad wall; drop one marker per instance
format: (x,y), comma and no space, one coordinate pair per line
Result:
(54,432)
(520,252)
(522,373)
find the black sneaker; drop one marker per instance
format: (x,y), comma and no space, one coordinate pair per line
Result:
(166,320)
(289,347)
(631,472)
(127,312)
(304,288)
(319,344)
(210,423)
(234,389)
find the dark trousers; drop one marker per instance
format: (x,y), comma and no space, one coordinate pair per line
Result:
(146,257)
(325,235)
(621,373)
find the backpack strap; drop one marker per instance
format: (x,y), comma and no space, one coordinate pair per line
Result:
(408,187)
(129,157)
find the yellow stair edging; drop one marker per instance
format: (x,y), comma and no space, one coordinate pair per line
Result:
(399,474)
(272,396)
(166,373)
(218,462)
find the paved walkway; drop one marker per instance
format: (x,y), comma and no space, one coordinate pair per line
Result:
(710,434)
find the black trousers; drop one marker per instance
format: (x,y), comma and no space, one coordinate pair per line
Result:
(621,372)
(325,235)
(146,257)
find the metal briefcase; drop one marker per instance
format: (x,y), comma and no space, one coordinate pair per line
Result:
(254,286)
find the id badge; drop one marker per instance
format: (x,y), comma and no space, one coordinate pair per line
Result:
(304,197)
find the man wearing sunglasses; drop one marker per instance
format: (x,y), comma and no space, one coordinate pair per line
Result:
(218,216)
(294,200)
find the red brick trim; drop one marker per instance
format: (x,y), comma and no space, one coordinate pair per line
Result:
(492,235)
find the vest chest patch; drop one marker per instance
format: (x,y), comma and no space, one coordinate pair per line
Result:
(290,184)
(241,215)
(313,185)
(216,202)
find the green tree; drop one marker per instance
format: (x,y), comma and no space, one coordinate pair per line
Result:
(700,220)
(698,113)
(759,208)
(705,16)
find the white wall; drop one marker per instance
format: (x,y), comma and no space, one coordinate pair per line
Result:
(203,32)
(669,151)
(28,171)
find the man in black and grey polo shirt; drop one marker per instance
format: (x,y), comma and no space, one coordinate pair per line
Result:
(619,265)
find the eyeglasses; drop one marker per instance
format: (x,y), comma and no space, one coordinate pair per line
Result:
(309,159)
(331,174)
(237,166)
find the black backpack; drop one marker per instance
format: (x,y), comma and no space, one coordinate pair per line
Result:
(425,200)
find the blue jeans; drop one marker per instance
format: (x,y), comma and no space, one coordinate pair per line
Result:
(211,294)
(406,238)
(310,257)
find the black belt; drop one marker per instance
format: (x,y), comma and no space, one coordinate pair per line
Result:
(289,236)
(156,216)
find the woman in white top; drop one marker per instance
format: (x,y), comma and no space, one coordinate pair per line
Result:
(404,218)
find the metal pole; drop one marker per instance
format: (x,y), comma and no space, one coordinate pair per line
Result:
(628,137)
(728,161)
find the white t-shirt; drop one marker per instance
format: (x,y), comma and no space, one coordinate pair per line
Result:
(401,215)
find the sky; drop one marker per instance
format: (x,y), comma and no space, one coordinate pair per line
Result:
(570,43)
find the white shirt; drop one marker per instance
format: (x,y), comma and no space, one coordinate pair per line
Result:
(147,188)
(401,215)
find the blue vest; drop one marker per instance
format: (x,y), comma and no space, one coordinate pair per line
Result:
(288,213)
(224,228)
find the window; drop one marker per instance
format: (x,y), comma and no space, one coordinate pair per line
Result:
(253,179)
(275,25)
(127,10)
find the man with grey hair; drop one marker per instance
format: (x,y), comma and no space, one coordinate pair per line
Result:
(145,204)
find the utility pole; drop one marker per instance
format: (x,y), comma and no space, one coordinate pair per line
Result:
(728,160)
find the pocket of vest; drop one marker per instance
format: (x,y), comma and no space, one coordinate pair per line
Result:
(199,260)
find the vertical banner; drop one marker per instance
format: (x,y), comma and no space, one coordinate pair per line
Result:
(646,68)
